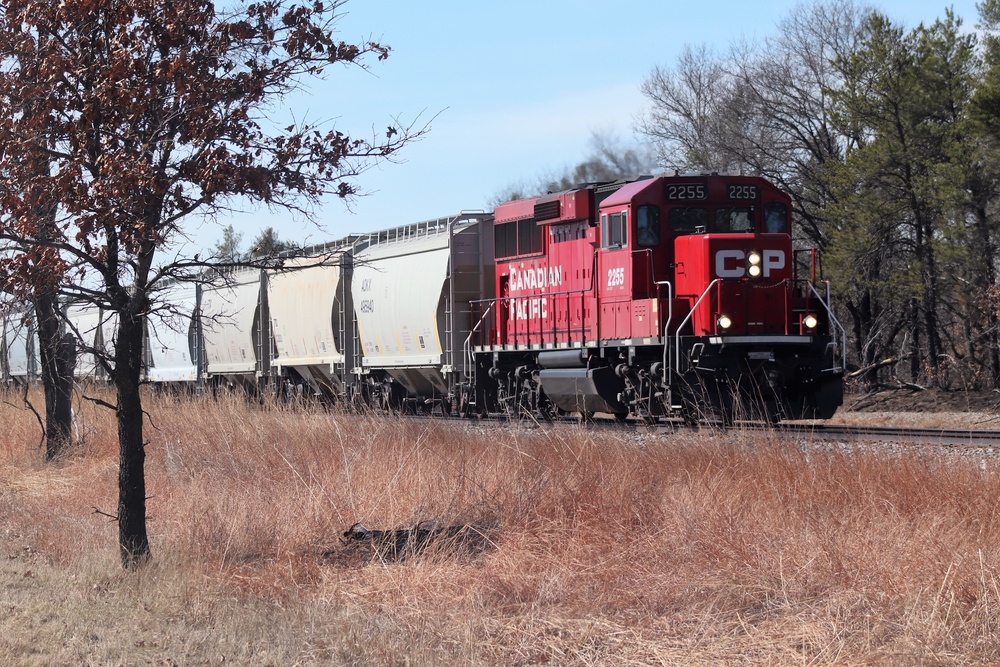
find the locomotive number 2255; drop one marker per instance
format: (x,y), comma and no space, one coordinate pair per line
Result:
(742,192)
(685,191)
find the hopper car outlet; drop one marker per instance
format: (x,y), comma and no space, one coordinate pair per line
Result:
(669,296)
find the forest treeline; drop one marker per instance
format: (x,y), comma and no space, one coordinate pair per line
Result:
(888,139)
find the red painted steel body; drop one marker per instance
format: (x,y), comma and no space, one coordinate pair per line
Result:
(604,271)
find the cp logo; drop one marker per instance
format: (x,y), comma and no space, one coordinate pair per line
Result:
(733,263)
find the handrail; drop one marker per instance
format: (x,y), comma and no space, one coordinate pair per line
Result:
(677,337)
(566,293)
(666,326)
(840,327)
(467,345)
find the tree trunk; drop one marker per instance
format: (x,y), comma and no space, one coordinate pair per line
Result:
(57,353)
(132,537)
(987,279)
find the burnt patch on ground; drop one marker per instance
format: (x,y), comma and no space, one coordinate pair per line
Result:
(359,544)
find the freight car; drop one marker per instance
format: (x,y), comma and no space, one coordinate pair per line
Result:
(413,288)
(675,295)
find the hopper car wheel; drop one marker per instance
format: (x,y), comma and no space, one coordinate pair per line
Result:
(446,407)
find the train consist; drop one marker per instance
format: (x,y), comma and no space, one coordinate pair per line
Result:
(675,295)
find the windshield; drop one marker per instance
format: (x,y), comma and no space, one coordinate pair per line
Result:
(733,220)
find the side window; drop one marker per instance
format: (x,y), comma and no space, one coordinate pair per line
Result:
(688,220)
(522,237)
(734,220)
(615,230)
(505,238)
(775,219)
(647,226)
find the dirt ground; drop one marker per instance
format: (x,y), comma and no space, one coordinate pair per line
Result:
(927,400)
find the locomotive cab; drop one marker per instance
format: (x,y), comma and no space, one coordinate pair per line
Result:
(701,297)
(751,335)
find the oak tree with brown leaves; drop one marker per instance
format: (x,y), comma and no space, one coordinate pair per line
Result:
(121,119)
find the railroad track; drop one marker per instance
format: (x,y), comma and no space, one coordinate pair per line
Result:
(946,437)
(939,437)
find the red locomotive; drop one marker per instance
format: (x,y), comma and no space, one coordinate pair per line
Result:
(669,295)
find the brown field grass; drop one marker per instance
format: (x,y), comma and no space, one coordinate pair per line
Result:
(599,547)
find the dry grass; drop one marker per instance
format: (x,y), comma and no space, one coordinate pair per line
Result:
(603,547)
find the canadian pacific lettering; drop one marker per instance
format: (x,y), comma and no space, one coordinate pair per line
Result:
(532,278)
(527,308)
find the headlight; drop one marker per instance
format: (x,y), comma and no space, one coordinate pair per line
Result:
(724,322)
(753,264)
(810,321)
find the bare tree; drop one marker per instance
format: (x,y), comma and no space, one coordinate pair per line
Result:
(610,159)
(763,109)
(685,114)
(145,113)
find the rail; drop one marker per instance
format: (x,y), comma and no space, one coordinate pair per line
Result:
(839,335)
(416,230)
(522,335)
(594,321)
(666,328)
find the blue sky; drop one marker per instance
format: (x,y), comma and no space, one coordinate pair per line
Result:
(516,89)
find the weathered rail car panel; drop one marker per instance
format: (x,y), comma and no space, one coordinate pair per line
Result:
(230,321)
(172,336)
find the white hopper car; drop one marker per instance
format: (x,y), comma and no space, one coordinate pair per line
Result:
(381,318)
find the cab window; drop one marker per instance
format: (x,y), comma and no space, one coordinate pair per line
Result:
(776,219)
(733,220)
(615,229)
(688,220)
(647,226)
